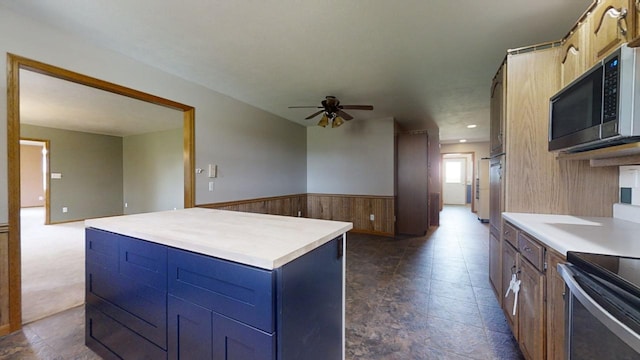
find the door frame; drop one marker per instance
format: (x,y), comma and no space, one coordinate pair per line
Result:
(473,177)
(14,64)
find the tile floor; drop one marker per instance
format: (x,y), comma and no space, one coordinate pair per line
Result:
(407,298)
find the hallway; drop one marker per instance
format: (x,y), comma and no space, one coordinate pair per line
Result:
(425,297)
(407,298)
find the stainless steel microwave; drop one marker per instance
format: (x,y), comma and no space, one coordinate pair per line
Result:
(600,108)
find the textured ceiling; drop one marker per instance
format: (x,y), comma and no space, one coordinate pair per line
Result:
(51,102)
(421,62)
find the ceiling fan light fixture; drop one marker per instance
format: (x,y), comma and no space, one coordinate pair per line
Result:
(337,122)
(324,121)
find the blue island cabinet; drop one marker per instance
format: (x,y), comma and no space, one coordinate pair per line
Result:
(150,301)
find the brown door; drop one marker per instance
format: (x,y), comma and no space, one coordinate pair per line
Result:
(412,184)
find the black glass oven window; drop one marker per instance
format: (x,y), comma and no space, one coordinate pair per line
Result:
(578,108)
(591,340)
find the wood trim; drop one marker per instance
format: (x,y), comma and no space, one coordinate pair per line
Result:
(13,152)
(355,209)
(5,330)
(337,207)
(60,73)
(189,146)
(247,201)
(618,161)
(287,205)
(14,64)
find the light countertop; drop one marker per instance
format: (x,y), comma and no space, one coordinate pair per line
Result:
(601,235)
(264,241)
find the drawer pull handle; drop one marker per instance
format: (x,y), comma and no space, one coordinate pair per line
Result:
(527,249)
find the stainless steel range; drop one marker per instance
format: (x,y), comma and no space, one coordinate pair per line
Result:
(603,306)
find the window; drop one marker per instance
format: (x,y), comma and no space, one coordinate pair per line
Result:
(453,172)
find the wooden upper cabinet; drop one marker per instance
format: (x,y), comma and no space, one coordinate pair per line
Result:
(497,112)
(574,54)
(610,24)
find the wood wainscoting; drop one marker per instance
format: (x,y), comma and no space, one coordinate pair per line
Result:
(288,205)
(4,280)
(356,209)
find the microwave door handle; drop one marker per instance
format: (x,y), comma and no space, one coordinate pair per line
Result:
(614,325)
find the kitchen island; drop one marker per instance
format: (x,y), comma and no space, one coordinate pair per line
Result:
(212,284)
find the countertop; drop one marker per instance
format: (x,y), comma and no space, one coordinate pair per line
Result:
(601,235)
(264,241)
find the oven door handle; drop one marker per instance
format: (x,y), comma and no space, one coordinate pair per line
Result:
(621,330)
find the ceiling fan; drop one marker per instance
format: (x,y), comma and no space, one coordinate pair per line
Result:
(333,111)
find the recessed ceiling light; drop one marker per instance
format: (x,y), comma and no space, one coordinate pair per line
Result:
(463,140)
(472,126)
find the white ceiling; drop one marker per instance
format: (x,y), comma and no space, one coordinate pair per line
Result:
(415,60)
(55,103)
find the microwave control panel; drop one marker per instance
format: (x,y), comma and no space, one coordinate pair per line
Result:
(610,90)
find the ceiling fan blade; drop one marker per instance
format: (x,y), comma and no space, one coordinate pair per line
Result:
(356,107)
(305,107)
(314,114)
(344,115)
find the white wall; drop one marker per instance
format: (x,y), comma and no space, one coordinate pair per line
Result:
(258,154)
(355,159)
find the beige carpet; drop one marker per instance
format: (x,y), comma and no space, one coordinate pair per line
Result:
(52,265)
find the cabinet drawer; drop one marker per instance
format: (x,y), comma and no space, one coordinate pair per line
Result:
(238,291)
(107,336)
(139,307)
(101,248)
(531,250)
(510,234)
(143,262)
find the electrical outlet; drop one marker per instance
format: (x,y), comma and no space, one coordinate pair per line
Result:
(210,185)
(65,209)
(299,213)
(372,217)
(126,205)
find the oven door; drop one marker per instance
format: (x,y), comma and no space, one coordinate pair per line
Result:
(602,322)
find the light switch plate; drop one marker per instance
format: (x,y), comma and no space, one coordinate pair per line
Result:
(213,170)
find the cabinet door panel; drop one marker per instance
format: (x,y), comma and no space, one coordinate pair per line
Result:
(101,248)
(495,264)
(233,340)
(239,291)
(143,261)
(610,27)
(190,330)
(496,117)
(555,308)
(531,317)
(510,265)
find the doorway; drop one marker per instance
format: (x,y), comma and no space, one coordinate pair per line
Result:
(17,63)
(458,182)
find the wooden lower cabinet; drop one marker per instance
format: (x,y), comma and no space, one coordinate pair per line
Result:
(531,311)
(538,323)
(555,308)
(510,264)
